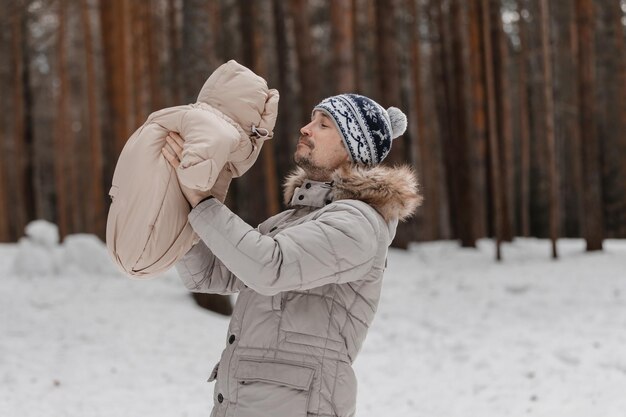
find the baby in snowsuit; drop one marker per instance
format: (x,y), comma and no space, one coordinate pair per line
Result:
(147,228)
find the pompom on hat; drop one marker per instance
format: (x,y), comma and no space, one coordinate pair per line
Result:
(366,128)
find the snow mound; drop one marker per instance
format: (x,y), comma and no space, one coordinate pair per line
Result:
(34,258)
(42,232)
(86,253)
(40,254)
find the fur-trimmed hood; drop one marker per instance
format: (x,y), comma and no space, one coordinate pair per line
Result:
(392,191)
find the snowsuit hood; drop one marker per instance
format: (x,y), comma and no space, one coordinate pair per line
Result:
(242,96)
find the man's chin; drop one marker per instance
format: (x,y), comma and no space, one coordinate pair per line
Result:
(303,162)
(298,160)
(301,157)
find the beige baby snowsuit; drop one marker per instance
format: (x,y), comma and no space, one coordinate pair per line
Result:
(147,227)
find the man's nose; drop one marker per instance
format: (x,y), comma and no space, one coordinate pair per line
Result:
(306,130)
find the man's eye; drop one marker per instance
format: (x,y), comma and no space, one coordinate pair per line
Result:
(323,125)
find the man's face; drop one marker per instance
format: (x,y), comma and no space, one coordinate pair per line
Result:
(320,149)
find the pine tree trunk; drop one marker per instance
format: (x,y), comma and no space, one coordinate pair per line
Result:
(434,109)
(549,123)
(6,71)
(115,37)
(155,88)
(539,166)
(74,77)
(443,100)
(288,126)
(450,92)
(575,199)
(96,221)
(62,131)
(199,47)
(524,205)
(263,65)
(388,73)
(389,84)
(365,46)
(428,215)
(618,18)
(4,195)
(4,198)
(175,47)
(477,128)
(592,218)
(137,21)
(566,118)
(342,22)
(608,85)
(460,139)
(494,160)
(307,66)
(503,115)
(18,175)
(215,20)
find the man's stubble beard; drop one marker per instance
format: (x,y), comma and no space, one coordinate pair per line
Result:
(313,171)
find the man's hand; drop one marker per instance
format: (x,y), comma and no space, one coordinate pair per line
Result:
(173,152)
(173,149)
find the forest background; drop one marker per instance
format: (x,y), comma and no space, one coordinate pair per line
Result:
(516,108)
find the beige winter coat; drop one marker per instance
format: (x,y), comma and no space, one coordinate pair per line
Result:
(147,227)
(309,281)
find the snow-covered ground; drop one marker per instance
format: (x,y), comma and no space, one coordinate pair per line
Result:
(456,334)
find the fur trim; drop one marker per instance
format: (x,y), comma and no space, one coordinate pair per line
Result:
(294,179)
(392,191)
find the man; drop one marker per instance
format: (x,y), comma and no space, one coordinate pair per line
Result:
(309,278)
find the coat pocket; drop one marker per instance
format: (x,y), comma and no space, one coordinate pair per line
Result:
(272,387)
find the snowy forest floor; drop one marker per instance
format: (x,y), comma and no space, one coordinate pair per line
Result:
(456,335)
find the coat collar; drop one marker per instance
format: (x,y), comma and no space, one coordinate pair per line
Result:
(392,191)
(312,193)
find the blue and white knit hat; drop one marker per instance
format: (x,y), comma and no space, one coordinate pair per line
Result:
(367,129)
